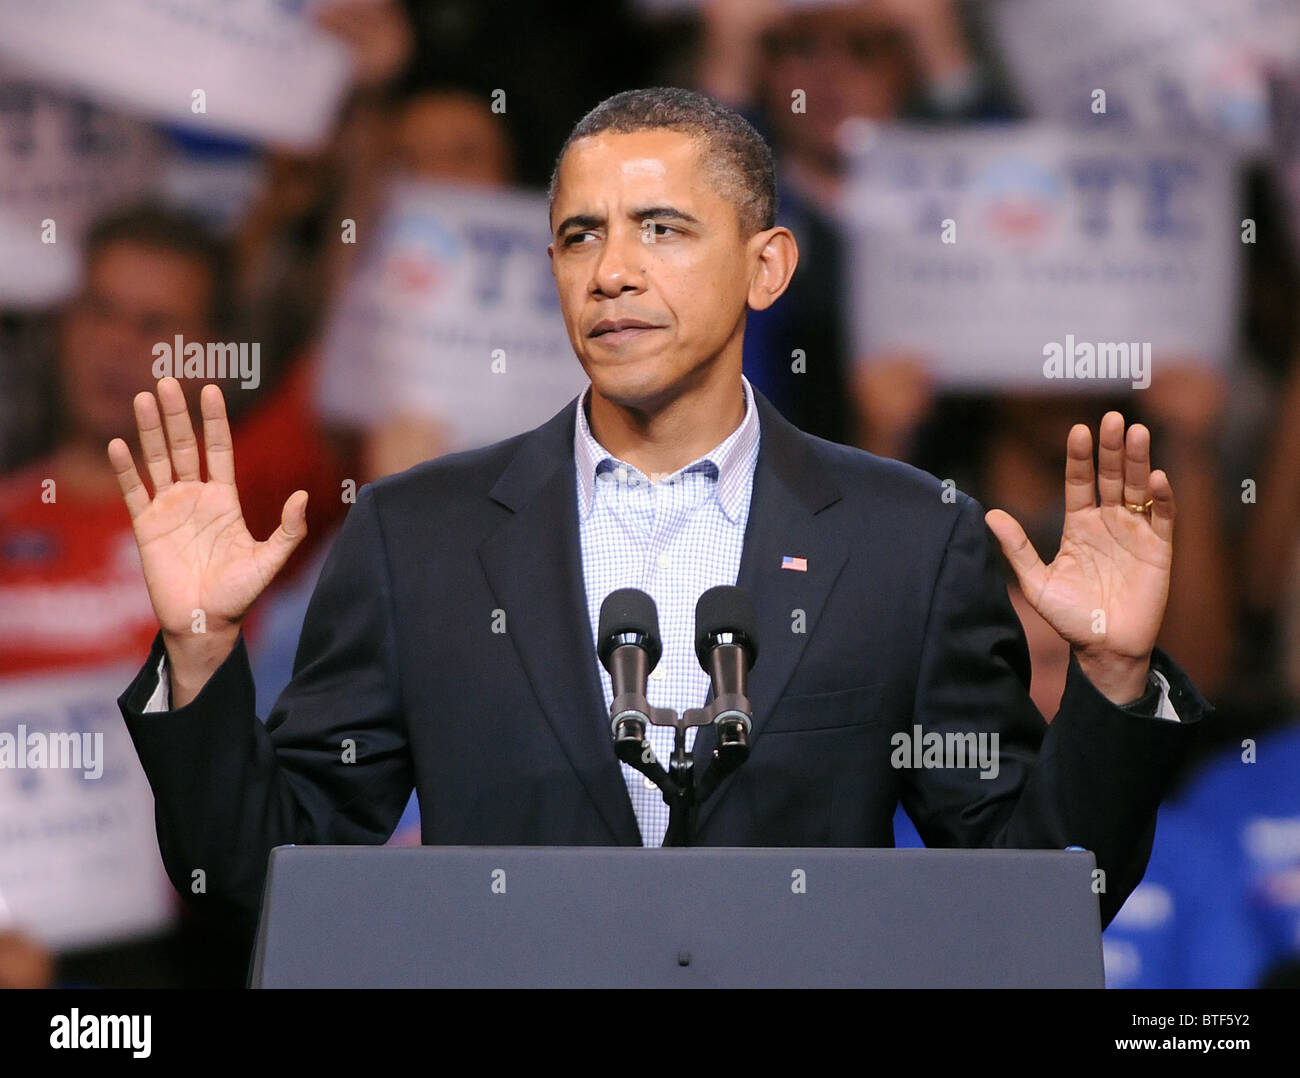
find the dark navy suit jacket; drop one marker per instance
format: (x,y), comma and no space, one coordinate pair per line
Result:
(402,678)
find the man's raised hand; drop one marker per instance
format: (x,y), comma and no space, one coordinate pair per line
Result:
(202,567)
(1105,591)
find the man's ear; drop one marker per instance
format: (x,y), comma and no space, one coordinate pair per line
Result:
(550,254)
(776,254)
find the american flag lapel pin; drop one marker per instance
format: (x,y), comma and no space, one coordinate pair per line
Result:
(799,565)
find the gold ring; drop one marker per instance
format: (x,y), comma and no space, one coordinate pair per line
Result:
(1135,507)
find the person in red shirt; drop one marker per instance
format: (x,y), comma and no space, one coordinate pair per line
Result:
(71,591)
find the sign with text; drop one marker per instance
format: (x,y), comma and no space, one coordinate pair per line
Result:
(1172,66)
(79,862)
(452,313)
(62,162)
(257,69)
(1016,255)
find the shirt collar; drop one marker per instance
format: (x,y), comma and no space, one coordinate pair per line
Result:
(734,458)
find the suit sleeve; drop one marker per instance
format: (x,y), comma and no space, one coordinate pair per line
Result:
(331,764)
(1093,777)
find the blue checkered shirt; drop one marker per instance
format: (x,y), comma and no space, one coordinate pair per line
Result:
(674,539)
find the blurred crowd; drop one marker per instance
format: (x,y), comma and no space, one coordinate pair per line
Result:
(239,240)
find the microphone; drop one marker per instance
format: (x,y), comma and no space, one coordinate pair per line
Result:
(629,648)
(726,643)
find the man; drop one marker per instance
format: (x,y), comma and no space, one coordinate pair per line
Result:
(450,642)
(69,583)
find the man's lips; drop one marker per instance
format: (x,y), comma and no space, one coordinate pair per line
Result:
(615,330)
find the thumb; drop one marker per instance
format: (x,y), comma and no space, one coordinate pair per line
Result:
(285,539)
(1020,552)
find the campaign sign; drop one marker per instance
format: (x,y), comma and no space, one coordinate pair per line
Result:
(452,314)
(79,862)
(1027,256)
(1172,66)
(258,69)
(62,162)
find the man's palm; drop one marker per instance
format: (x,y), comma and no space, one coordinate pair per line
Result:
(195,549)
(1105,591)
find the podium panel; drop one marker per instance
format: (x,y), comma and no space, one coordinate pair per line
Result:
(700,917)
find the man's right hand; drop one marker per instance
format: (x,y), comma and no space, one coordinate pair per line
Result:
(202,567)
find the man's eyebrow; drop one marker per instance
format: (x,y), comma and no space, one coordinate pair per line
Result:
(657,212)
(640,213)
(578,220)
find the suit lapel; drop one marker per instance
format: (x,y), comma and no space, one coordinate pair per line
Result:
(533,564)
(791,487)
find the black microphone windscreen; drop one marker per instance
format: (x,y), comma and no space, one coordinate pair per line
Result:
(725,609)
(628,610)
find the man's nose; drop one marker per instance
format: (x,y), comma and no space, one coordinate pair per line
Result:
(113,332)
(621,265)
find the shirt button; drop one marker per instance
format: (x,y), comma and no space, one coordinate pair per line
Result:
(662,560)
(657,674)
(648,783)
(621,475)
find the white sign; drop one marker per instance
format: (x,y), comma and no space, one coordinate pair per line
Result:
(453,313)
(1015,255)
(260,69)
(79,862)
(62,162)
(1173,66)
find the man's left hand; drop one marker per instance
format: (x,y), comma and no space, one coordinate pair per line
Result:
(1105,590)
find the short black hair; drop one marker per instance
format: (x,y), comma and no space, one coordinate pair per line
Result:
(172,229)
(739,156)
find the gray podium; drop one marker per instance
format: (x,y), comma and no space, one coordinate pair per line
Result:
(583,917)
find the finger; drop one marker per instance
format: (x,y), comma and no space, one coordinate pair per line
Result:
(1080,488)
(1137,465)
(285,539)
(1162,508)
(1110,459)
(1020,552)
(153,445)
(180,431)
(133,489)
(216,436)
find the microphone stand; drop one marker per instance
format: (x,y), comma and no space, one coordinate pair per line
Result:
(678,783)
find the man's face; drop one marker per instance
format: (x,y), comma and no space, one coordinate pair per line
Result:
(133,297)
(652,271)
(851,60)
(447,136)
